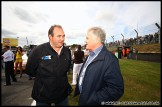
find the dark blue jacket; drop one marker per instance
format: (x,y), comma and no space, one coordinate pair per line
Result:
(102,82)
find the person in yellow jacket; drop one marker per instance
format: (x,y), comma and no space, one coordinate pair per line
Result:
(18,60)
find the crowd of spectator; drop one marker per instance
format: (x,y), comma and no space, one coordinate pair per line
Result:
(147,39)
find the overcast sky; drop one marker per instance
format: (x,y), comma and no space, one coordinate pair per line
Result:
(32,20)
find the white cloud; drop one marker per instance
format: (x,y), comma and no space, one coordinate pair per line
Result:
(33,19)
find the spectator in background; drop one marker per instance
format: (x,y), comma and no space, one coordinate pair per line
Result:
(100,78)
(8,58)
(78,61)
(2,62)
(86,53)
(18,60)
(123,51)
(28,52)
(128,53)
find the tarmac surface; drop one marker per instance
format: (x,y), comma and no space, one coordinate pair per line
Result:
(18,93)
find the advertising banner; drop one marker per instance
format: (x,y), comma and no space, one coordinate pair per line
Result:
(10,42)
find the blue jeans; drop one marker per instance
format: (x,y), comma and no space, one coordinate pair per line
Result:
(62,103)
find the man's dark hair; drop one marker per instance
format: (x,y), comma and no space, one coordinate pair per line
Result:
(7,47)
(79,47)
(51,30)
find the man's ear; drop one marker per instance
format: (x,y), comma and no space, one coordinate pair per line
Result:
(50,37)
(97,40)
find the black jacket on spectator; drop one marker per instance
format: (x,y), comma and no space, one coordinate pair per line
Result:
(78,56)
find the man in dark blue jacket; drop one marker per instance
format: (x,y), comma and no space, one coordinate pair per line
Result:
(100,80)
(49,64)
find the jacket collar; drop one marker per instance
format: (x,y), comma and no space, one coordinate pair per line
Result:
(62,50)
(101,55)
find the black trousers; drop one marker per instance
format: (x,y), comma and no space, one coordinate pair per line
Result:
(9,71)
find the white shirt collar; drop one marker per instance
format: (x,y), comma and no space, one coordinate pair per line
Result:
(59,50)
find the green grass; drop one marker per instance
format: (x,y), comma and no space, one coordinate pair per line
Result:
(147,48)
(141,81)
(144,48)
(73,101)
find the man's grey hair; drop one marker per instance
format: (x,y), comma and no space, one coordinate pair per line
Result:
(98,32)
